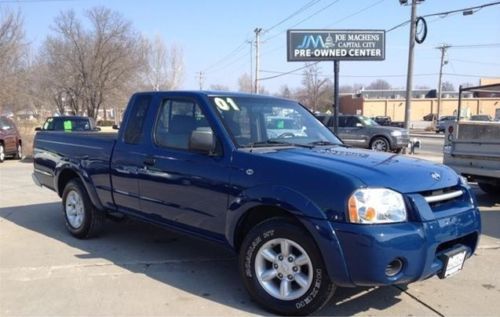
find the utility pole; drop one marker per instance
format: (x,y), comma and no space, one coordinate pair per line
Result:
(251,61)
(443,49)
(257,43)
(409,79)
(201,78)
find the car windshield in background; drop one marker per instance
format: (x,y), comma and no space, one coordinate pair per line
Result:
(257,121)
(367,121)
(67,124)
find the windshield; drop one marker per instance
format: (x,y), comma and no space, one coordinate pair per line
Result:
(67,124)
(256,121)
(367,121)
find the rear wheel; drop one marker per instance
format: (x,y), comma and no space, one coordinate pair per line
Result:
(282,268)
(380,144)
(82,219)
(489,188)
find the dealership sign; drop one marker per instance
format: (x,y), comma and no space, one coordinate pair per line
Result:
(329,45)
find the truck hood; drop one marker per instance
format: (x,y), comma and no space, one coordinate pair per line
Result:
(374,169)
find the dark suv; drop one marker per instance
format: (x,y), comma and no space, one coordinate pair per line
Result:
(10,139)
(363,132)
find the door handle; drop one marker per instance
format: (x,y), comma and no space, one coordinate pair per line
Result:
(149,161)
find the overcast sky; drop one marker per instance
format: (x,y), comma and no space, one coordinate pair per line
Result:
(213,34)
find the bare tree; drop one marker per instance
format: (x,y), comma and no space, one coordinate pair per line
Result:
(86,67)
(219,87)
(447,86)
(379,84)
(245,83)
(164,66)
(313,87)
(12,50)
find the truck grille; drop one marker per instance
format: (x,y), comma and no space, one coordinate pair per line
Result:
(445,195)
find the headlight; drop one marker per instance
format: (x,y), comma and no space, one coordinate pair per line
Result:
(396,133)
(376,205)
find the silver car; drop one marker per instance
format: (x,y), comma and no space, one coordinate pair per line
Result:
(363,132)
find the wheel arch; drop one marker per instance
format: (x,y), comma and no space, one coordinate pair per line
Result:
(66,174)
(315,224)
(383,136)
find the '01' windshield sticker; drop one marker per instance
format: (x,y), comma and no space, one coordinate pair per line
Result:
(226,104)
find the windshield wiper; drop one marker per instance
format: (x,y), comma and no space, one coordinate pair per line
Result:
(320,143)
(277,143)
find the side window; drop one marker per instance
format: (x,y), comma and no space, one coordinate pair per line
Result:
(6,124)
(135,124)
(351,122)
(175,122)
(342,122)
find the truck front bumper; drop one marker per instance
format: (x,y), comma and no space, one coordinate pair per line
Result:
(363,255)
(370,251)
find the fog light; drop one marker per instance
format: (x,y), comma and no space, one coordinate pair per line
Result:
(394,268)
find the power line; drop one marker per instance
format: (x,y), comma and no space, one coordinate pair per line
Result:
(341,20)
(475,62)
(444,14)
(241,46)
(357,12)
(301,9)
(303,20)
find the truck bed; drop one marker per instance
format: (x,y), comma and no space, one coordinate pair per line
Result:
(86,152)
(475,149)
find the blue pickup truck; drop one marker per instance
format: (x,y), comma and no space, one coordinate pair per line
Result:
(305,213)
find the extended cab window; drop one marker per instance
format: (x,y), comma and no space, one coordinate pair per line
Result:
(176,120)
(135,124)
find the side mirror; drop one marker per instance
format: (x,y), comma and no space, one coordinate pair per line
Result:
(38,129)
(202,141)
(115,127)
(359,125)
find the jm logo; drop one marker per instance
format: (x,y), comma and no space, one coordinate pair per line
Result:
(312,41)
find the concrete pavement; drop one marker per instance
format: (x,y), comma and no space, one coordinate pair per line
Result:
(137,269)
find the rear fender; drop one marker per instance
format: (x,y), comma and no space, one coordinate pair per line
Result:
(84,178)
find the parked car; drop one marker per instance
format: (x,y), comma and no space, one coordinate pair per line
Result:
(363,132)
(305,213)
(10,140)
(383,120)
(282,127)
(481,117)
(69,123)
(445,122)
(430,117)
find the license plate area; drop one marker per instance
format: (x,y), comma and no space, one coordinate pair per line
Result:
(453,261)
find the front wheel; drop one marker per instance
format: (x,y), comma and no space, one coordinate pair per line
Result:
(83,220)
(282,268)
(380,144)
(19,152)
(2,153)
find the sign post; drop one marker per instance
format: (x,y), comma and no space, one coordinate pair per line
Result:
(335,45)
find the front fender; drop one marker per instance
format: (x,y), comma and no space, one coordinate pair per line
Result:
(269,195)
(82,174)
(305,211)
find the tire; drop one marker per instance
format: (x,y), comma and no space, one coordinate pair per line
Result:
(19,152)
(263,244)
(82,219)
(380,144)
(2,153)
(489,188)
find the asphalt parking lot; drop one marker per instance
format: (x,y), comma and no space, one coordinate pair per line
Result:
(137,269)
